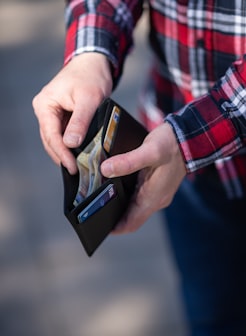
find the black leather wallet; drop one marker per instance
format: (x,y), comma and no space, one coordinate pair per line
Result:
(98,213)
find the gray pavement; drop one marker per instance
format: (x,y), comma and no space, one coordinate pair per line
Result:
(48,286)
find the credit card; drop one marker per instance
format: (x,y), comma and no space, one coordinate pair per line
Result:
(103,198)
(111,129)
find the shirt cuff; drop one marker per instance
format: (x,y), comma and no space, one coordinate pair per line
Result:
(213,126)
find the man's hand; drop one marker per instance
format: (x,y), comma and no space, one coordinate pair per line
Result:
(66,105)
(161,171)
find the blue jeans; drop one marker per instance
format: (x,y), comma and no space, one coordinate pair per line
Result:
(208,235)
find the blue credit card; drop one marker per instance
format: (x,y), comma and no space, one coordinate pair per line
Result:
(103,198)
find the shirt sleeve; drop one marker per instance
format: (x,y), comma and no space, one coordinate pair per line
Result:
(213,126)
(101,26)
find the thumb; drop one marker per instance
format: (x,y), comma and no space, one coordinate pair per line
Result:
(127,163)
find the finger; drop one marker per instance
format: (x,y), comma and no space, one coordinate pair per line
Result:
(77,127)
(51,153)
(51,135)
(125,164)
(60,154)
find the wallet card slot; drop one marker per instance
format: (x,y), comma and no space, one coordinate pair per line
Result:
(99,224)
(80,207)
(105,196)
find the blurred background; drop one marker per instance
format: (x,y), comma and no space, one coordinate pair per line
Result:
(48,285)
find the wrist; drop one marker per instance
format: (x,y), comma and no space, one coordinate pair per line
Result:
(175,148)
(96,61)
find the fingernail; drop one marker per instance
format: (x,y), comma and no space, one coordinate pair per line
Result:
(107,169)
(72,140)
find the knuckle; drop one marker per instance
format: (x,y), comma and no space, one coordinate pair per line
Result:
(35,104)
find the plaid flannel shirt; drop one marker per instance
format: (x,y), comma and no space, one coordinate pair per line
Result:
(197,82)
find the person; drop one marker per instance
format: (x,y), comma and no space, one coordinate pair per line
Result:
(192,163)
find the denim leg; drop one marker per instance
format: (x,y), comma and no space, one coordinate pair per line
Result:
(208,235)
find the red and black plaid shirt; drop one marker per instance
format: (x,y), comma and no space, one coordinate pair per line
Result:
(197,82)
